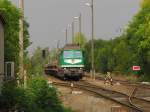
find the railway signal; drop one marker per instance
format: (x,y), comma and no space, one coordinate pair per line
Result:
(43,53)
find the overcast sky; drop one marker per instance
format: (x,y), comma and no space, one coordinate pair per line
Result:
(49,18)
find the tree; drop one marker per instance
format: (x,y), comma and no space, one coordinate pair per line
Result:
(122,56)
(36,63)
(145,3)
(12,15)
(101,54)
(80,39)
(37,97)
(138,35)
(131,48)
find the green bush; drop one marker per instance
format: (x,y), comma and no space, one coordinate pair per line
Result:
(144,78)
(38,96)
(11,16)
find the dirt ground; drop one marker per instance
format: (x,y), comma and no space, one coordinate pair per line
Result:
(80,101)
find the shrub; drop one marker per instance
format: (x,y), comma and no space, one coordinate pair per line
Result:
(37,97)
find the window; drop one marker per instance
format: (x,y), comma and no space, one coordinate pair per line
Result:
(72,54)
(78,54)
(68,54)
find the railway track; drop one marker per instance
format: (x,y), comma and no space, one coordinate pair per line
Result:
(137,84)
(142,90)
(139,103)
(134,103)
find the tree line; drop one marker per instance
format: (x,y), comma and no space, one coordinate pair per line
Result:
(132,48)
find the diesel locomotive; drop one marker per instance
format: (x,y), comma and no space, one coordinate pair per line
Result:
(70,63)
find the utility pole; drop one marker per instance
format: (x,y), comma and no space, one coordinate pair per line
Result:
(57,53)
(66,36)
(80,23)
(92,43)
(58,42)
(80,28)
(72,32)
(21,64)
(91,5)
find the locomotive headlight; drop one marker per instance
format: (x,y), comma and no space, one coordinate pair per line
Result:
(66,70)
(80,70)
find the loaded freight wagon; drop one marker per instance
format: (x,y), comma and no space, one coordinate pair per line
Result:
(70,63)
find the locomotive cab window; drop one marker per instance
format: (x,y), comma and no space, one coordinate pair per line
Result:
(68,54)
(78,54)
(72,54)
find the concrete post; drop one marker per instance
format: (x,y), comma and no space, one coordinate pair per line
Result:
(1,52)
(21,52)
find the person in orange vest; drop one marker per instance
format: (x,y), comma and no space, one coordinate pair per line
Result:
(71,85)
(108,78)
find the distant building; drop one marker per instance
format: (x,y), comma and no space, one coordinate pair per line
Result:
(1,48)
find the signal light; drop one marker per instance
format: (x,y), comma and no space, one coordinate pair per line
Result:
(44,54)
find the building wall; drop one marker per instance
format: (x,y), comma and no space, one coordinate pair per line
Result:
(1,50)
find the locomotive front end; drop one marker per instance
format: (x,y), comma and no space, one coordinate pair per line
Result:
(72,62)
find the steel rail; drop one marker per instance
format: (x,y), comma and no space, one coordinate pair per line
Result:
(130,98)
(137,84)
(144,104)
